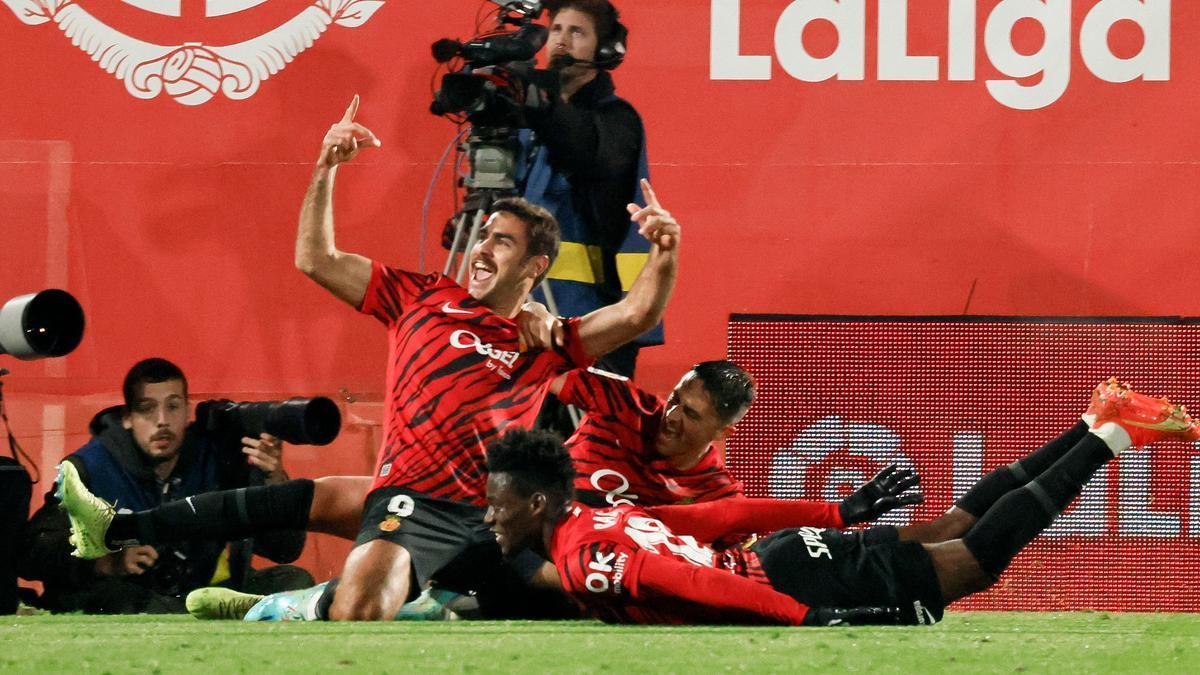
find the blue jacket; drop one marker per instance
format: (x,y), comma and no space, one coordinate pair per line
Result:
(582,160)
(115,469)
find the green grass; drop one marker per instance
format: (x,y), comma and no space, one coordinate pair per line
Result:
(965,641)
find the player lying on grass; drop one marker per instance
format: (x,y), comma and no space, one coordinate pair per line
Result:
(641,564)
(632,446)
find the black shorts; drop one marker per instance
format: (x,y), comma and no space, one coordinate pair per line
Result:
(831,568)
(435,532)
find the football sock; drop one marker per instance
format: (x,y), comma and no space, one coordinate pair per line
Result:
(225,515)
(1005,479)
(1019,516)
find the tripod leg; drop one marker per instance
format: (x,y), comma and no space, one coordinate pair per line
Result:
(471,239)
(460,230)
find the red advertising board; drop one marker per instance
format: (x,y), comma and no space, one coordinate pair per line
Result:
(841,397)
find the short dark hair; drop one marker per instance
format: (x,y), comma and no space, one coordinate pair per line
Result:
(149,371)
(730,388)
(544,235)
(603,14)
(536,461)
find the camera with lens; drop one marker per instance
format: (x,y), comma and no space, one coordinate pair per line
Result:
(496,82)
(300,421)
(41,325)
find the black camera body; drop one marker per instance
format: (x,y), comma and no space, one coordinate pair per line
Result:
(496,82)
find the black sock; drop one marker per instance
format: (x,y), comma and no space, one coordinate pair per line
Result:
(226,515)
(1005,479)
(326,600)
(1019,516)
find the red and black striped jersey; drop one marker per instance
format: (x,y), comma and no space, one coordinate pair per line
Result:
(613,448)
(455,380)
(631,564)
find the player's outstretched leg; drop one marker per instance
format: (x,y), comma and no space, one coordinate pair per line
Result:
(214,602)
(225,515)
(999,482)
(1124,419)
(90,515)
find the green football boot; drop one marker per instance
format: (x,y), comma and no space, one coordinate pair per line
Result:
(90,515)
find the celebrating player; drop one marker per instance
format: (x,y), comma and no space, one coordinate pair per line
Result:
(455,378)
(649,565)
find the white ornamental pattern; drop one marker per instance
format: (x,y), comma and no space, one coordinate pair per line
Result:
(192,72)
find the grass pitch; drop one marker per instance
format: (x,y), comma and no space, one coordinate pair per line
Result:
(965,642)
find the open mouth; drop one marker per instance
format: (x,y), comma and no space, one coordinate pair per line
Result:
(481,272)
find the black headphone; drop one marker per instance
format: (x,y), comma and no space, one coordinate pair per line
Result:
(611,52)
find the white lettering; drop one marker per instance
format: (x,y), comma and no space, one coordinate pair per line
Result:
(602,520)
(401,505)
(1052,61)
(616,495)
(1194,496)
(961,66)
(813,542)
(649,534)
(966,457)
(596,582)
(1153,62)
(1037,80)
(726,62)
(1135,517)
(847,60)
(895,63)
(465,339)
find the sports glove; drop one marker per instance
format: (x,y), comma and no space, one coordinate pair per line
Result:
(886,491)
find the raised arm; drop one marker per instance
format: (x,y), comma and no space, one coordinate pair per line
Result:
(346,275)
(610,327)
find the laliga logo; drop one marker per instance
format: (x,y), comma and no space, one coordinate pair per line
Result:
(192,72)
(836,457)
(1052,61)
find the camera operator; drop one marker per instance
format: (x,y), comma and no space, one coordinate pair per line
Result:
(586,153)
(142,454)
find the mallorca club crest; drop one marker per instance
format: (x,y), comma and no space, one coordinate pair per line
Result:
(194,70)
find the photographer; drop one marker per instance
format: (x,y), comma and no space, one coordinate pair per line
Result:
(142,454)
(586,152)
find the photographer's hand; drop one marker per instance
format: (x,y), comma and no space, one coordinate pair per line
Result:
(537,328)
(266,453)
(126,562)
(654,222)
(346,139)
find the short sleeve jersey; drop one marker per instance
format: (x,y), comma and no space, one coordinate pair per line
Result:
(599,554)
(455,380)
(613,449)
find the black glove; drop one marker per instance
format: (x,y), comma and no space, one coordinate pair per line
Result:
(855,616)
(884,492)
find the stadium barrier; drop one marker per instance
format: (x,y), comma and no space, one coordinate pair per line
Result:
(840,397)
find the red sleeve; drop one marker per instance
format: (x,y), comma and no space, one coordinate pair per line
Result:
(390,290)
(710,521)
(716,589)
(602,393)
(572,347)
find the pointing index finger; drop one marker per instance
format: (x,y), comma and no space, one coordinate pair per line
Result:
(352,110)
(651,198)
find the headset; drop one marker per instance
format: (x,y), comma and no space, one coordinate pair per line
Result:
(611,52)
